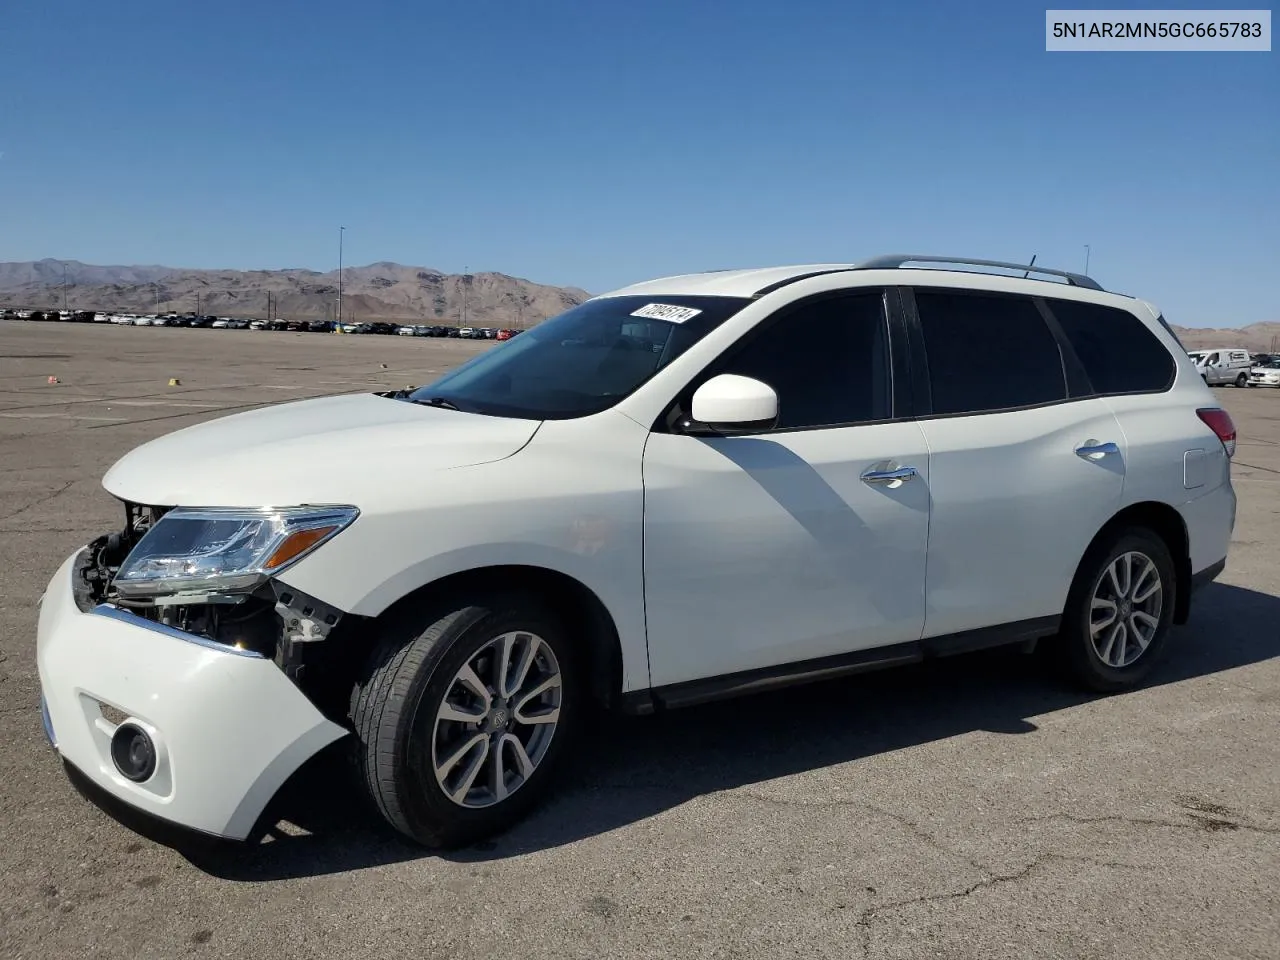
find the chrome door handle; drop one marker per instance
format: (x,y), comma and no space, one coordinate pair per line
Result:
(1093,450)
(896,476)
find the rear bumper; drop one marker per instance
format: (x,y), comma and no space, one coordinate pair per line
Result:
(228,729)
(1210,520)
(1202,578)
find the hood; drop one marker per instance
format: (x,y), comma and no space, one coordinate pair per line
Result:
(344,449)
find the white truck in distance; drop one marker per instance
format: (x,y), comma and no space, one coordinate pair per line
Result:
(1225,365)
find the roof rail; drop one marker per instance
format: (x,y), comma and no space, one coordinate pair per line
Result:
(896,260)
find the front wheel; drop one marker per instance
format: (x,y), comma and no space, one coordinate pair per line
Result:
(462,716)
(1118,611)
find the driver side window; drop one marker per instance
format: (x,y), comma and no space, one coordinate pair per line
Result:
(827,359)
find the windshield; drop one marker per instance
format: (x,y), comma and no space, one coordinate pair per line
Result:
(583,361)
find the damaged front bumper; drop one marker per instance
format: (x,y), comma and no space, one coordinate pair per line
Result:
(228,725)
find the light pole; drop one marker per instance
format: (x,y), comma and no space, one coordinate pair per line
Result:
(1086,259)
(64,288)
(341,231)
(466,285)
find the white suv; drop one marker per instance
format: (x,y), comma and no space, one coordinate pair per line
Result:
(694,487)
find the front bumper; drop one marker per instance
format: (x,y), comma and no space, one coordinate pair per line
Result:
(229,728)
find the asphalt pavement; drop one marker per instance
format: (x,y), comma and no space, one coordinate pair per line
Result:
(967,808)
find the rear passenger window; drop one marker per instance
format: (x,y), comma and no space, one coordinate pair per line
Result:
(988,352)
(1118,352)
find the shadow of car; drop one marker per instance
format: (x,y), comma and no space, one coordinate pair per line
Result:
(627,775)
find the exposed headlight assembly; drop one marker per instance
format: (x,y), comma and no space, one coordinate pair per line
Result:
(224,550)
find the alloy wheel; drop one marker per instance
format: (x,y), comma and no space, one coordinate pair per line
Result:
(496,720)
(1124,613)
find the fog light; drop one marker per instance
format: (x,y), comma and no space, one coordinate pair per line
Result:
(133,753)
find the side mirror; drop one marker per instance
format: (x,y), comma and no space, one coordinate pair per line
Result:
(729,403)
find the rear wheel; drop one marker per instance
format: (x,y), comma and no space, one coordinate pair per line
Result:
(463,715)
(1242,380)
(1118,611)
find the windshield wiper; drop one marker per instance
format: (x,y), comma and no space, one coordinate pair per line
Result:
(440,402)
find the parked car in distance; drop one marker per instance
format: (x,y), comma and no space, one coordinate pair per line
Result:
(407,331)
(740,448)
(1265,375)
(320,326)
(503,335)
(1225,365)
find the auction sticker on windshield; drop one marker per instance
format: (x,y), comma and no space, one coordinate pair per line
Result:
(666,311)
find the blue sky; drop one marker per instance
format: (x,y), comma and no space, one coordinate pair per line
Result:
(595,144)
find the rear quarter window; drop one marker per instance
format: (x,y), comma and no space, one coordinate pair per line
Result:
(1118,352)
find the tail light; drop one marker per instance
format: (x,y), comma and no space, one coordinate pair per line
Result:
(1219,421)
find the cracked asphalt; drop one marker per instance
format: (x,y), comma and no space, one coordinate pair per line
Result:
(967,808)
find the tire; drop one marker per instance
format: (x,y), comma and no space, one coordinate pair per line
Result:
(1242,380)
(401,737)
(1077,652)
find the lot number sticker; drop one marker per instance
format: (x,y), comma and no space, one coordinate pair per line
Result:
(666,311)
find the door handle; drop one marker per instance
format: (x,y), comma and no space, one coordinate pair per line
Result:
(1093,450)
(895,477)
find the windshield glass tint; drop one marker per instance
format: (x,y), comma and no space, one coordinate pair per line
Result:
(582,361)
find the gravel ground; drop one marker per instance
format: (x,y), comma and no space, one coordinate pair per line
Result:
(968,808)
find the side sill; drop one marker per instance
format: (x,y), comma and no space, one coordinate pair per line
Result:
(689,693)
(967,641)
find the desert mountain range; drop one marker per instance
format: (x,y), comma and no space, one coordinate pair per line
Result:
(378,291)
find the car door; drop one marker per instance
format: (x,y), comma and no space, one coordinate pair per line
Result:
(789,545)
(1213,368)
(1026,464)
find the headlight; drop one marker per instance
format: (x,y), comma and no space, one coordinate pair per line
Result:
(224,550)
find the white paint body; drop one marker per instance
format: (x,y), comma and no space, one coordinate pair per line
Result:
(229,730)
(1224,365)
(711,555)
(1267,375)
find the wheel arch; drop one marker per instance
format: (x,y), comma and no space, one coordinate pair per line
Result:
(588,620)
(1167,523)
